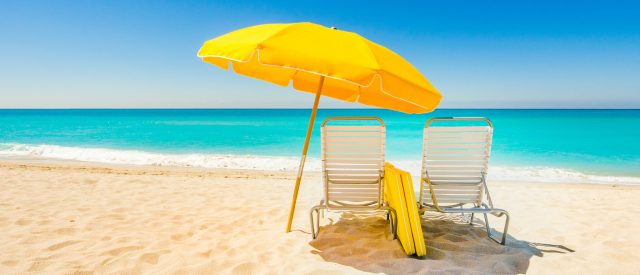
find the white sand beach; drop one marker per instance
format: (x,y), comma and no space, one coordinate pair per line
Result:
(81,218)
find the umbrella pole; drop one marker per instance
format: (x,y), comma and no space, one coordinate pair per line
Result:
(304,153)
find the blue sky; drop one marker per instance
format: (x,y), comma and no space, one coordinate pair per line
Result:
(479,54)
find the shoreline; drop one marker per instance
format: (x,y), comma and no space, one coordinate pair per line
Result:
(113,157)
(202,172)
(133,169)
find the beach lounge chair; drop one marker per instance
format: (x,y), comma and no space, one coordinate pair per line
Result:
(352,168)
(454,167)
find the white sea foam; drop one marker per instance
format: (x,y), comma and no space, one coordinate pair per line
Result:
(269,163)
(134,157)
(533,174)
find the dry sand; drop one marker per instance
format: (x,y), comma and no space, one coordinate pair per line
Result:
(84,218)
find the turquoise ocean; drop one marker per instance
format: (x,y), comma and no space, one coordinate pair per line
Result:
(547,145)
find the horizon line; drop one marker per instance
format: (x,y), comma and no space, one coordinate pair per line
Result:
(288,108)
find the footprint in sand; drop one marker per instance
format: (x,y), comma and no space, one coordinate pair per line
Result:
(151,258)
(23,222)
(65,231)
(122,250)
(61,245)
(38,264)
(454,238)
(448,246)
(244,268)
(181,237)
(435,254)
(10,263)
(206,254)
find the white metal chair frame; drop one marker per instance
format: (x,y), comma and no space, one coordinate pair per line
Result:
(353,174)
(458,190)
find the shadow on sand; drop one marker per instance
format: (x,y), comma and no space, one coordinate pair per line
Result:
(364,242)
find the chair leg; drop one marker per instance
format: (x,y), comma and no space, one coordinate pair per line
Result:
(318,221)
(392,217)
(486,224)
(471,220)
(315,228)
(421,210)
(498,213)
(506,225)
(394,223)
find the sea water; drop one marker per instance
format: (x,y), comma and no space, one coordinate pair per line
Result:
(598,146)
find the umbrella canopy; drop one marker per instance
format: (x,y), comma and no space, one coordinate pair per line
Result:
(324,61)
(355,69)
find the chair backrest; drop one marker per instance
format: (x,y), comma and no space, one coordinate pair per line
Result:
(455,160)
(353,162)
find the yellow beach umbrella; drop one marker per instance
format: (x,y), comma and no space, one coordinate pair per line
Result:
(323,61)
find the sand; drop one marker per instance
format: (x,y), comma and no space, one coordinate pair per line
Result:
(91,218)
